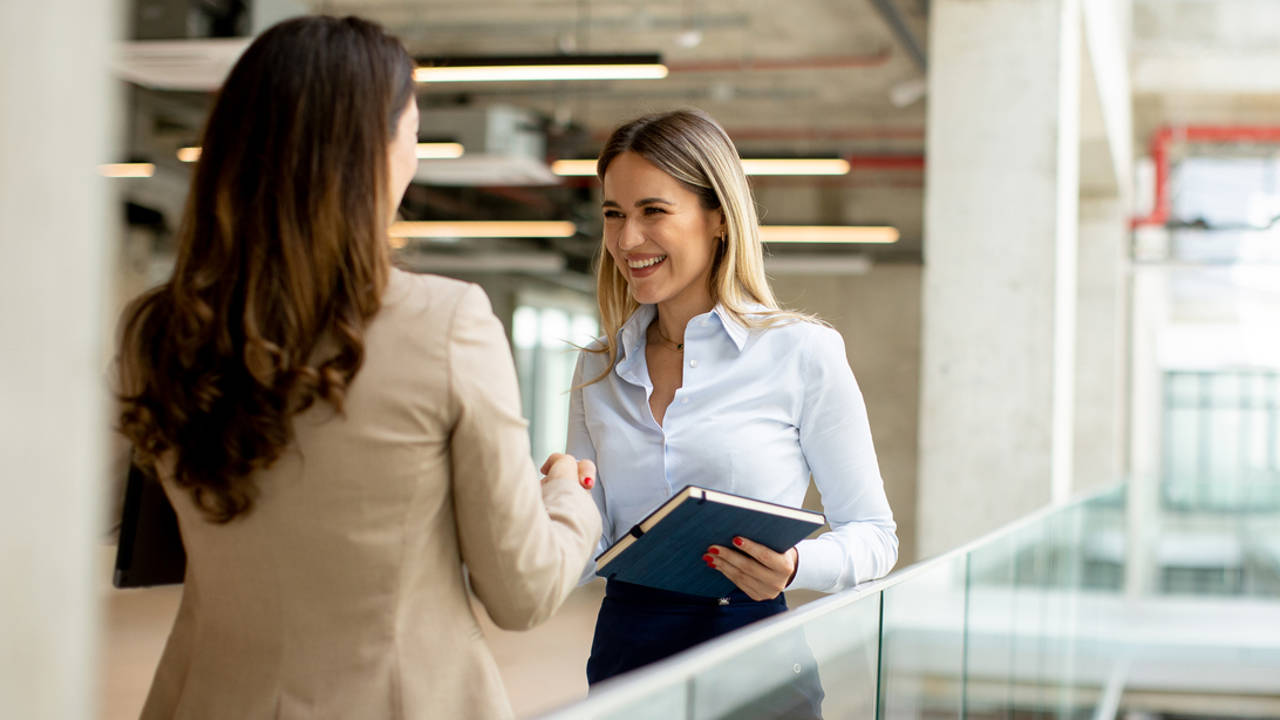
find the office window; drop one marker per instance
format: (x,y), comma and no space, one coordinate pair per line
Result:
(545,332)
(1221,434)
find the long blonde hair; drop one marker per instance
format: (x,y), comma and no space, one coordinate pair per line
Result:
(691,147)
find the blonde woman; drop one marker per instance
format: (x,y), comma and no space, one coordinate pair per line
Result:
(701,379)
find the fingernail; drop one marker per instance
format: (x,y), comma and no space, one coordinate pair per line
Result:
(588,482)
(714,551)
(708,558)
(737,541)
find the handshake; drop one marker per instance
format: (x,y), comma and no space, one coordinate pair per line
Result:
(560,467)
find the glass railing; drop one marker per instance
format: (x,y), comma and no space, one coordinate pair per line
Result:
(1044,618)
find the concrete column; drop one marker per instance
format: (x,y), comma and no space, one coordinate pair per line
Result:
(1149,316)
(53,419)
(999,284)
(1101,350)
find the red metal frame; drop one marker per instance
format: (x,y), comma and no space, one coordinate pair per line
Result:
(1162,138)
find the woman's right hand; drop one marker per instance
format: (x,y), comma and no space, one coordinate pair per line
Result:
(563,465)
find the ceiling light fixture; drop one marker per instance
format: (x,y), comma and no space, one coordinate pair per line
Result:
(574,168)
(127,170)
(877,234)
(439,150)
(483,229)
(751,166)
(538,68)
(426,151)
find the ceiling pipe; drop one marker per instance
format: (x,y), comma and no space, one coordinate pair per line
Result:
(885,162)
(898,25)
(1161,208)
(887,132)
(823,62)
(819,134)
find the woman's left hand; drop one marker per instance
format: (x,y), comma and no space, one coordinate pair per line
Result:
(757,570)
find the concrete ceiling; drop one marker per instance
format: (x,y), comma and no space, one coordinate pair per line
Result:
(801,77)
(796,78)
(1205,62)
(725,72)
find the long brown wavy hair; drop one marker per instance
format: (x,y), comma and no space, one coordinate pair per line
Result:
(281,262)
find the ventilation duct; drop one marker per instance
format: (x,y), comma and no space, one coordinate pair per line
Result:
(503,145)
(192,44)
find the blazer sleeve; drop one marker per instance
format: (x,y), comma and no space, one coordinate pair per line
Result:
(524,542)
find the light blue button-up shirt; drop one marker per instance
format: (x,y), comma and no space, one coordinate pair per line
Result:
(759,410)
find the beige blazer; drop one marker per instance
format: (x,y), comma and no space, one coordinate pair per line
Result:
(342,594)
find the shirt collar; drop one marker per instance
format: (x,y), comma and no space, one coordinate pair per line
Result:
(736,331)
(631,339)
(631,336)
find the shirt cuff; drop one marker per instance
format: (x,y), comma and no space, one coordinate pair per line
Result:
(819,565)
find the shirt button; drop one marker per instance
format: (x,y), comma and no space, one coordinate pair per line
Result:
(684,401)
(693,363)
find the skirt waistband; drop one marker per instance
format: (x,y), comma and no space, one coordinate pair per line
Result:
(629,592)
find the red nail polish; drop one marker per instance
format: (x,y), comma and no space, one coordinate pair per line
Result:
(588,482)
(737,541)
(714,551)
(708,558)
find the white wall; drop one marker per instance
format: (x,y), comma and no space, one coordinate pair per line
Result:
(55,90)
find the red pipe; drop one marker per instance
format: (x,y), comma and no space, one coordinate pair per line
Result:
(828,62)
(1159,214)
(885,162)
(812,134)
(1161,209)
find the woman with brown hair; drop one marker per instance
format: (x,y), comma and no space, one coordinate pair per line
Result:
(339,438)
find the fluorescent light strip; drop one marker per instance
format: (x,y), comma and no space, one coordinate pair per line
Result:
(533,73)
(426,151)
(751,166)
(795,166)
(882,235)
(127,170)
(574,168)
(483,229)
(439,150)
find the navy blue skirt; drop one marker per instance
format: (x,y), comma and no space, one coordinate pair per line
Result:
(639,625)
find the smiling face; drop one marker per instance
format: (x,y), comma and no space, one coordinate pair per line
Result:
(659,235)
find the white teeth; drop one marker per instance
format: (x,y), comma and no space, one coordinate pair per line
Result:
(640,264)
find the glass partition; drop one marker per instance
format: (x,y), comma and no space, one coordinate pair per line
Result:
(1034,621)
(922,642)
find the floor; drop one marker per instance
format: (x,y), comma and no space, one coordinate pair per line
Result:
(542,668)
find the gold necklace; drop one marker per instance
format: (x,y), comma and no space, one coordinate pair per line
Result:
(678,347)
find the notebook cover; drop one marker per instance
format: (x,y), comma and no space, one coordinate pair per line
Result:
(669,555)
